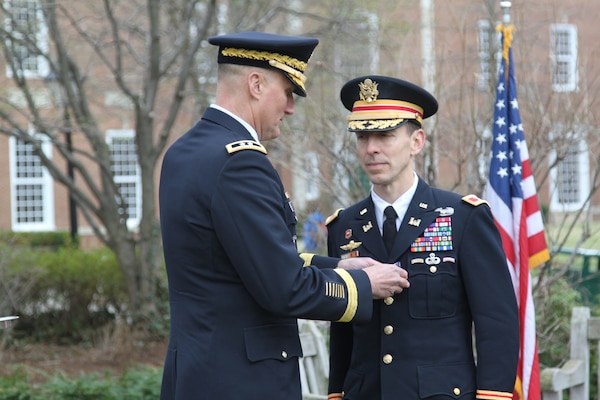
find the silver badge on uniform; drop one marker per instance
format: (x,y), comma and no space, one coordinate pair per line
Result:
(445,211)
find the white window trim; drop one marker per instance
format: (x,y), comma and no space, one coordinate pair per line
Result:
(132,223)
(570,59)
(46,181)
(486,74)
(311,169)
(369,25)
(584,179)
(42,42)
(483,49)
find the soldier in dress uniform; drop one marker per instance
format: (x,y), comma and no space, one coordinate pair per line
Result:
(419,343)
(236,281)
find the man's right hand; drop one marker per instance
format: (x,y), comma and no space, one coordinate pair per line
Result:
(387,280)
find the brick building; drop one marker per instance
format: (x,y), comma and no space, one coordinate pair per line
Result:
(449,47)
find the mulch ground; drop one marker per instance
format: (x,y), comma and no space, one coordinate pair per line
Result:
(41,360)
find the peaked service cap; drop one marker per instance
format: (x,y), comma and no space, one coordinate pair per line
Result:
(288,54)
(383,103)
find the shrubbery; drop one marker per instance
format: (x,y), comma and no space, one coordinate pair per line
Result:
(65,295)
(62,294)
(142,383)
(553,322)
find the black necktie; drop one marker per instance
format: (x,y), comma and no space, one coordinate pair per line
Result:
(389,227)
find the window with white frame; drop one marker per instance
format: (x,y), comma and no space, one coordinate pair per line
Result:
(27,31)
(357,47)
(356,53)
(563,54)
(484,48)
(311,169)
(31,185)
(570,179)
(488,44)
(126,172)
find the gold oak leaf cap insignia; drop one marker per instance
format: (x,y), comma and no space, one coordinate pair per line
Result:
(288,54)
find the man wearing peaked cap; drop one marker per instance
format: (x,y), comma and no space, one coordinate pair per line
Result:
(381,103)
(418,344)
(236,281)
(289,54)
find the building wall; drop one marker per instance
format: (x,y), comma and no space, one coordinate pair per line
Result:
(396,49)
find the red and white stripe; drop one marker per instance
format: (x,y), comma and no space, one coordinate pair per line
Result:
(523,240)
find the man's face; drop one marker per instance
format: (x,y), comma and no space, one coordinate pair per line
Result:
(387,157)
(276,100)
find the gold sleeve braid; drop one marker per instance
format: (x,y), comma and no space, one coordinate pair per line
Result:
(352,305)
(307,257)
(351,288)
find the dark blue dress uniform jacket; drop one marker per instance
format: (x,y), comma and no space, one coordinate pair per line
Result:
(418,344)
(236,281)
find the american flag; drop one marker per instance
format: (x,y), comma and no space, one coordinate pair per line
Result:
(512,196)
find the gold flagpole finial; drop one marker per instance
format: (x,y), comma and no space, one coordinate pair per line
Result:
(506,28)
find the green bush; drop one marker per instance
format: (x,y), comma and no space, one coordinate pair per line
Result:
(70,292)
(553,322)
(87,387)
(16,386)
(142,383)
(51,239)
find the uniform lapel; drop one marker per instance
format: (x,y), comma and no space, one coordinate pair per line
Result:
(419,215)
(364,229)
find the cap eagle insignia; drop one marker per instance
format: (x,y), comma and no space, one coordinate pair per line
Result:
(368,90)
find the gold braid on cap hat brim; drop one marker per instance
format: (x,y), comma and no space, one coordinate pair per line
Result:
(382,114)
(379,120)
(288,64)
(380,124)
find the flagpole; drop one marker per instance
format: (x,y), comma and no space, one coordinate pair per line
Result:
(516,211)
(505,6)
(506,29)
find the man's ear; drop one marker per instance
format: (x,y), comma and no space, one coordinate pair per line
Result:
(417,141)
(255,83)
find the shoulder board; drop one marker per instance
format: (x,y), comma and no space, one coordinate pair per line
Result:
(245,145)
(333,216)
(474,200)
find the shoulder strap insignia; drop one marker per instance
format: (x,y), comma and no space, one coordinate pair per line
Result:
(474,200)
(333,216)
(245,145)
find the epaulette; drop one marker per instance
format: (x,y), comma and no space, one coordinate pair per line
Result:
(245,145)
(474,200)
(333,216)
